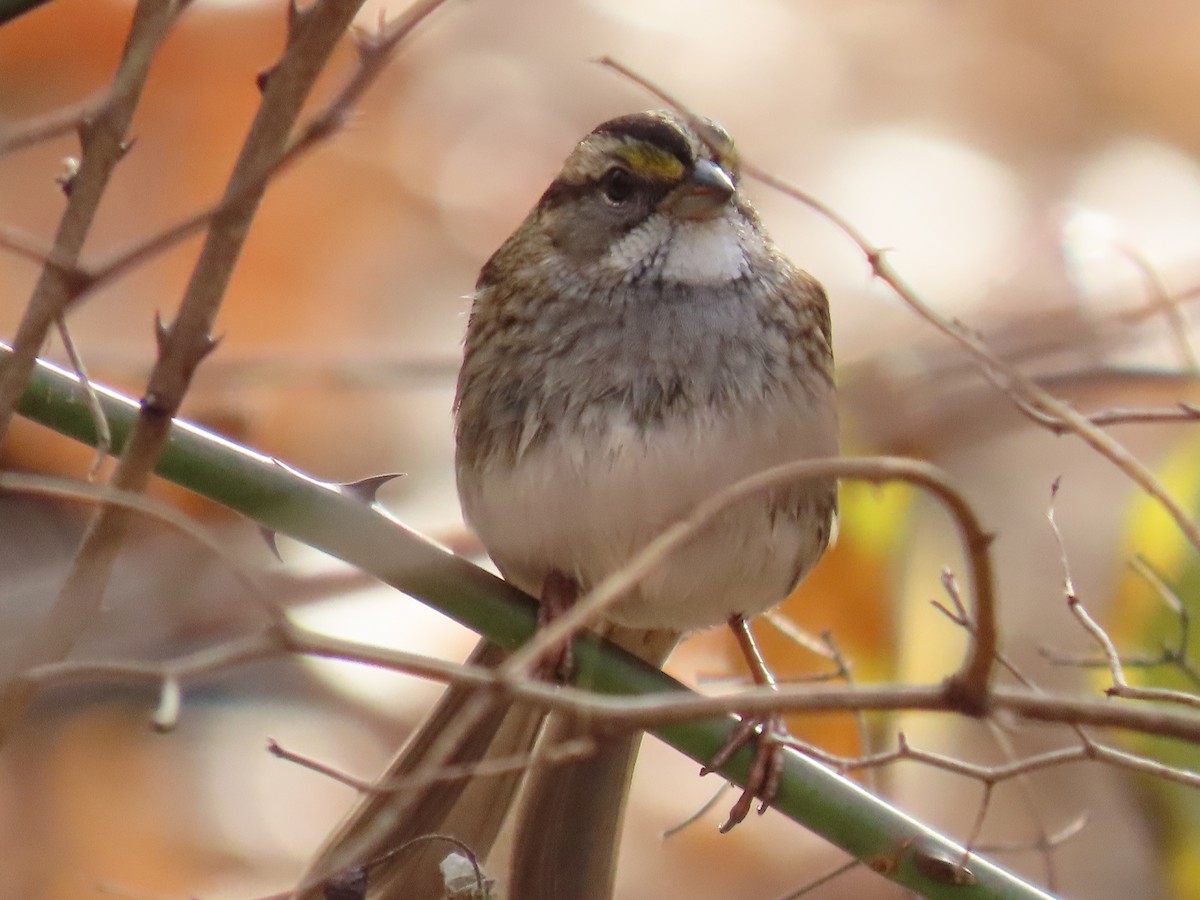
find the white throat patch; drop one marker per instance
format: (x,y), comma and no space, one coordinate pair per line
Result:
(687,252)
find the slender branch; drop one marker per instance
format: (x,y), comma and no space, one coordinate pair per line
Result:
(375,51)
(824,878)
(1120,686)
(1181,412)
(63,120)
(1023,390)
(312,34)
(68,489)
(1067,832)
(1008,379)
(103,142)
(103,432)
(969,685)
(565,752)
(1161,302)
(672,705)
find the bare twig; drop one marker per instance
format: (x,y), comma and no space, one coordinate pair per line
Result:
(1076,606)
(67,489)
(1010,381)
(312,34)
(1049,842)
(1120,686)
(960,617)
(375,50)
(1176,657)
(99,420)
(1027,394)
(76,280)
(642,712)
(49,125)
(969,685)
(103,141)
(824,878)
(800,637)
(1181,412)
(567,751)
(706,807)
(1162,303)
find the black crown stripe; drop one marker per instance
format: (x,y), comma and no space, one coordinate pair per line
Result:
(652,130)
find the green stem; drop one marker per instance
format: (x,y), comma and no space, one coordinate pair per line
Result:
(321,515)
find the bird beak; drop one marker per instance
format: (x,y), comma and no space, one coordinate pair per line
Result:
(703,196)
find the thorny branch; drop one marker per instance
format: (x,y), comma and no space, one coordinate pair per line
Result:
(103,142)
(312,34)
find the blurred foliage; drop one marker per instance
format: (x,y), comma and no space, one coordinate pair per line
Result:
(1145,627)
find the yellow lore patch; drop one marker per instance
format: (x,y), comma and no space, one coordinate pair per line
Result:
(650,161)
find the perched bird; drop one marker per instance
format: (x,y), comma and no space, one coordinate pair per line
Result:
(636,345)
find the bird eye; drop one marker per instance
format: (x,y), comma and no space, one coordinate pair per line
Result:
(618,185)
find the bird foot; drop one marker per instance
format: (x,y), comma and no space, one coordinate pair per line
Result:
(769,736)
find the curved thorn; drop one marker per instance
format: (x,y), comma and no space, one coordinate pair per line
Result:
(367,489)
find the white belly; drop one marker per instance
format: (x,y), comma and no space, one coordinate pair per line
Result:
(585,506)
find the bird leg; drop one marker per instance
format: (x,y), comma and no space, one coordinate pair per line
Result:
(767,731)
(559,593)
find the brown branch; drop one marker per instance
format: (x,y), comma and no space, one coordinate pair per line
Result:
(824,878)
(1120,686)
(1181,412)
(565,752)
(828,649)
(960,617)
(1162,303)
(103,142)
(374,50)
(1014,769)
(622,712)
(52,124)
(1057,839)
(313,32)
(99,420)
(21,244)
(1176,657)
(1078,610)
(968,686)
(1011,381)
(67,489)
(1026,393)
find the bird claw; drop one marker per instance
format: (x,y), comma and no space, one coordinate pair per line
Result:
(770,736)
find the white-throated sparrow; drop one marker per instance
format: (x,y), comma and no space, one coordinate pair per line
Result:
(636,345)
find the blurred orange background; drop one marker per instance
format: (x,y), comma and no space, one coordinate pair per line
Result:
(1013,155)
